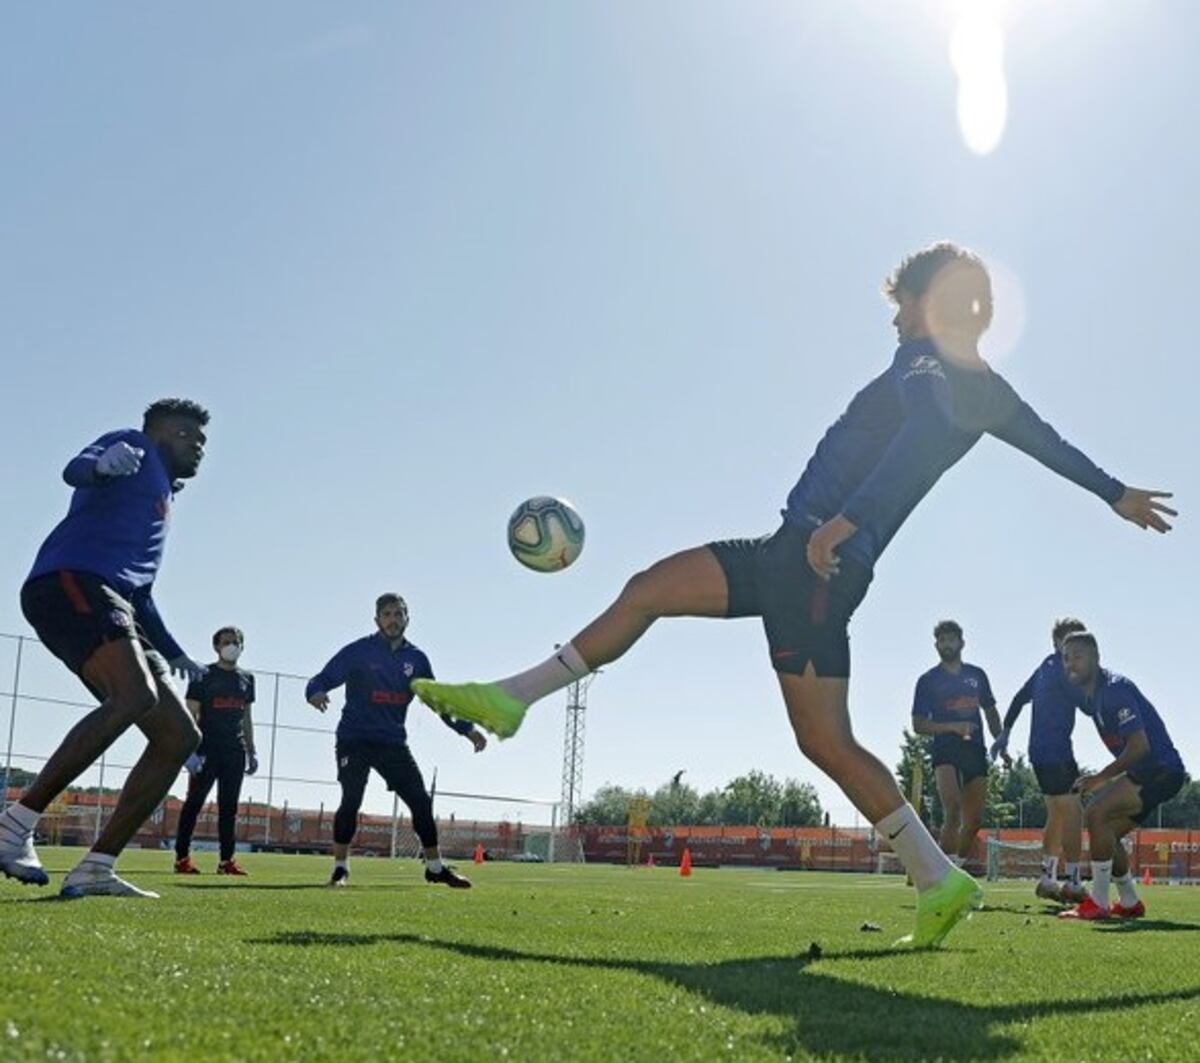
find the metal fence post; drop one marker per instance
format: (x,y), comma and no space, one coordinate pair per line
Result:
(553,832)
(99,801)
(271,763)
(12,721)
(395,822)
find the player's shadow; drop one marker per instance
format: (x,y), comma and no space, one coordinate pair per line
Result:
(1141,926)
(823,1014)
(322,886)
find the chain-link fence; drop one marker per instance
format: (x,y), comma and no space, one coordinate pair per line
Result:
(281,807)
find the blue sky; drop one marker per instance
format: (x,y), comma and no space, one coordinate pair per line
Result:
(422,262)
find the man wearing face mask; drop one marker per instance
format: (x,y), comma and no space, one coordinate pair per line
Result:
(88,597)
(377,671)
(220,702)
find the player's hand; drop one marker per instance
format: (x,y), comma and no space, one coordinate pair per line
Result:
(194,764)
(251,762)
(478,740)
(963,730)
(184,667)
(823,543)
(120,459)
(1000,748)
(1087,784)
(319,701)
(1144,508)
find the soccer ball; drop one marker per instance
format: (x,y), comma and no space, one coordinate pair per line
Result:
(545,534)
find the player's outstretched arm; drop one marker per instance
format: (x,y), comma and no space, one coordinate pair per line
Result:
(1145,508)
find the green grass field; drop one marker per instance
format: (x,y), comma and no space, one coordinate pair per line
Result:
(600,963)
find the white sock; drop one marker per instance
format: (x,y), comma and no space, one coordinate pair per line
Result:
(1050,867)
(25,819)
(1073,872)
(1101,876)
(1125,890)
(921,856)
(433,864)
(342,864)
(554,673)
(103,859)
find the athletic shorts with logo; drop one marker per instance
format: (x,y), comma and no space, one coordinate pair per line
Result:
(1156,786)
(75,613)
(806,618)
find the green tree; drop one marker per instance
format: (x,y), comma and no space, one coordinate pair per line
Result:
(752,800)
(917,749)
(609,806)
(1014,797)
(1182,812)
(674,804)
(799,805)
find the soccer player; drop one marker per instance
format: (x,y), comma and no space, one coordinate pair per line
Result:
(1053,758)
(378,671)
(1146,772)
(910,424)
(220,701)
(947,705)
(88,597)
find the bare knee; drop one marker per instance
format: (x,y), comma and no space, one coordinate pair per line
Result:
(834,754)
(133,701)
(639,593)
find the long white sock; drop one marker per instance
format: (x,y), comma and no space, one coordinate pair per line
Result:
(1073,872)
(1050,867)
(921,856)
(24,818)
(1101,876)
(434,864)
(554,673)
(1125,890)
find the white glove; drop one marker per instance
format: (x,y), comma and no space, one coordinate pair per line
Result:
(120,460)
(1000,746)
(194,764)
(184,667)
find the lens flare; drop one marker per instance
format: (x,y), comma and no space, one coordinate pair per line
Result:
(977,55)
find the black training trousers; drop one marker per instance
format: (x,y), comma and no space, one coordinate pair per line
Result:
(395,763)
(226,768)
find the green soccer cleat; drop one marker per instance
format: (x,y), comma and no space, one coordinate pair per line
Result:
(940,907)
(482,703)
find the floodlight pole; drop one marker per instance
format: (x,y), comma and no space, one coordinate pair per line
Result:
(572,771)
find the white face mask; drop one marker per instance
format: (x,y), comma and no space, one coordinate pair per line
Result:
(231,652)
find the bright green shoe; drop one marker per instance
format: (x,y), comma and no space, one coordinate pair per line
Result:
(482,703)
(940,907)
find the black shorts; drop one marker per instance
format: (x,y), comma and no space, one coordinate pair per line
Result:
(805,617)
(1055,780)
(75,613)
(1156,786)
(394,761)
(967,758)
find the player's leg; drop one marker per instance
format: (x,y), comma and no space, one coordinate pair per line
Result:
(403,777)
(353,768)
(1110,815)
(199,786)
(819,714)
(949,788)
(230,773)
(974,799)
(691,583)
(171,737)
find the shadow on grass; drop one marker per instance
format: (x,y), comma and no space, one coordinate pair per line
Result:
(1140,926)
(824,1014)
(392,887)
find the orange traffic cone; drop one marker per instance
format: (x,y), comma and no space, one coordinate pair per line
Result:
(479,853)
(1147,878)
(685,865)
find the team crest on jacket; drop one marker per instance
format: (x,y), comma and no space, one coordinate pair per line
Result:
(408,669)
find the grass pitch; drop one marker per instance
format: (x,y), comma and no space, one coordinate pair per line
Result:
(595,963)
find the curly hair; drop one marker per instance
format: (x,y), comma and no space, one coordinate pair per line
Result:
(159,411)
(958,279)
(947,627)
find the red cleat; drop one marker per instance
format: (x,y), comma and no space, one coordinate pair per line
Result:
(1086,909)
(1134,911)
(231,867)
(186,867)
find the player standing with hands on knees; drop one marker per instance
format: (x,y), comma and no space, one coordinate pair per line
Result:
(89,599)
(900,433)
(220,701)
(378,671)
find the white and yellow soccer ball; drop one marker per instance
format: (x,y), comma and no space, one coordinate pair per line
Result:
(545,534)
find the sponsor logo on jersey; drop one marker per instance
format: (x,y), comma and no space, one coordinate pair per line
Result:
(924,365)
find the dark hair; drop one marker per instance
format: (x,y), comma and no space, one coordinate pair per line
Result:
(964,287)
(947,627)
(1064,627)
(1086,637)
(159,411)
(391,598)
(229,629)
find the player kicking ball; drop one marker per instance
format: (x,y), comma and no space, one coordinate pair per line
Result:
(1147,771)
(915,420)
